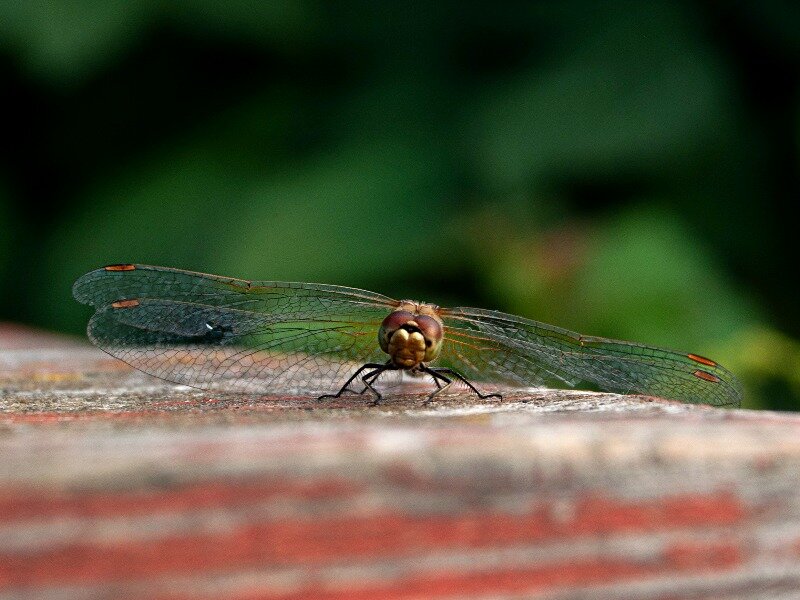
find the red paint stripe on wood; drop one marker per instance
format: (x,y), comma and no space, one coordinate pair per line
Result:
(705,558)
(690,555)
(596,513)
(29,504)
(148,416)
(160,411)
(327,541)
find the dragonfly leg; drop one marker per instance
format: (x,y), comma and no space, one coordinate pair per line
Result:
(376,366)
(368,384)
(460,377)
(370,378)
(439,387)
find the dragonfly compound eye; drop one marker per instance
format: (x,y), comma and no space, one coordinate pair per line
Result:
(391,324)
(431,329)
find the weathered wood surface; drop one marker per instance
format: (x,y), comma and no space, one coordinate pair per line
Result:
(116,485)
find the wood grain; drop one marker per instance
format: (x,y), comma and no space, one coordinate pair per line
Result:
(114,484)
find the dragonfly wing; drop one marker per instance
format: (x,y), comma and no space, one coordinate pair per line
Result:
(490,345)
(229,334)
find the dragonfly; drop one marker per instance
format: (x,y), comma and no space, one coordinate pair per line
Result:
(271,337)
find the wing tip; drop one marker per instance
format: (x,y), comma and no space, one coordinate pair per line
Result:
(81,289)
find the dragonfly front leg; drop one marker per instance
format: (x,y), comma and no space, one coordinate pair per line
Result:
(440,372)
(378,367)
(370,378)
(439,387)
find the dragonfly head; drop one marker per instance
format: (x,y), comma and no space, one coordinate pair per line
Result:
(411,334)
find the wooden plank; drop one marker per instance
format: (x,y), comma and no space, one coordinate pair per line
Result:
(114,484)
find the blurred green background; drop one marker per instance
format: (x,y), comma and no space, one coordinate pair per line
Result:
(625,169)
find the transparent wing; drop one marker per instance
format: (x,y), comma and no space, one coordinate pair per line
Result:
(227,334)
(493,346)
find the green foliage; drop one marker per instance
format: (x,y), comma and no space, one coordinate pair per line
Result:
(640,91)
(6,239)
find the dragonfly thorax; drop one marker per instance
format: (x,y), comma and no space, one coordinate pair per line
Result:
(411,334)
